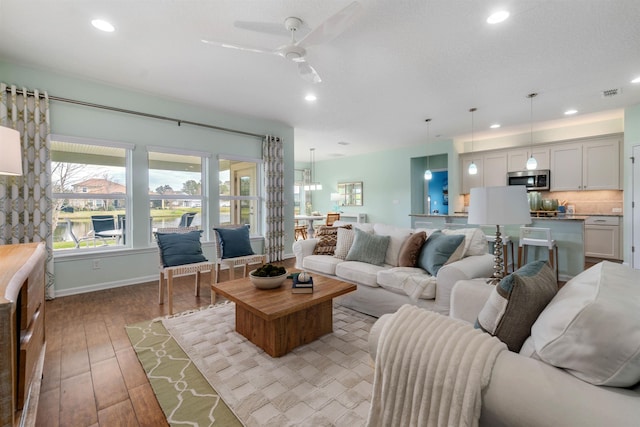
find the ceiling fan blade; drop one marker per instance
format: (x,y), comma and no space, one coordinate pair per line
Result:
(308,73)
(274,28)
(332,26)
(237,47)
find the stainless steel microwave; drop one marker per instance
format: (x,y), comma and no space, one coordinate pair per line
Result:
(535,180)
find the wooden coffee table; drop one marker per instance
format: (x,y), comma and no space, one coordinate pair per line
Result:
(277,320)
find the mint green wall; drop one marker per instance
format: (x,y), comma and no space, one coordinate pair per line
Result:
(74,273)
(631,139)
(386,177)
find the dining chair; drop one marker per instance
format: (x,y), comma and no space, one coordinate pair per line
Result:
(300,231)
(331,218)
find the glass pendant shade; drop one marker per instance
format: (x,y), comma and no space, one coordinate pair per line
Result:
(532,163)
(473,169)
(428,175)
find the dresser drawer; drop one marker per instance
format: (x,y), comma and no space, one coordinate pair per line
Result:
(31,344)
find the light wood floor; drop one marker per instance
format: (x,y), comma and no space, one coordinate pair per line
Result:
(92,376)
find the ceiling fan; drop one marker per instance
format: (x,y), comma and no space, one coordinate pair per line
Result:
(296,50)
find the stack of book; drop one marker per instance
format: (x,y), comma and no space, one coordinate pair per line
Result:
(302,287)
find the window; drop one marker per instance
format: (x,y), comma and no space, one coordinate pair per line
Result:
(239,193)
(89,179)
(176,190)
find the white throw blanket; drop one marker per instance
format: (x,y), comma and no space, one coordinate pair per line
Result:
(430,370)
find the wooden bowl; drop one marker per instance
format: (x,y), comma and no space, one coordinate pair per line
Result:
(267,282)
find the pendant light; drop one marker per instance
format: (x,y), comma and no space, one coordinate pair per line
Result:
(532,163)
(313,185)
(427,174)
(473,169)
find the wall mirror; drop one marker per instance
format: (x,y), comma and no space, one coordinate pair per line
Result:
(350,193)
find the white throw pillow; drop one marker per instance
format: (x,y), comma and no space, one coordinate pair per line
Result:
(475,242)
(345,240)
(397,239)
(592,326)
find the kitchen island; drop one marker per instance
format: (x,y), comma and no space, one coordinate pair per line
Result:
(567,231)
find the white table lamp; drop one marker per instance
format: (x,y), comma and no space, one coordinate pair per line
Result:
(11,158)
(499,206)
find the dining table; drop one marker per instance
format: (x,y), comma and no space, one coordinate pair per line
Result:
(310,220)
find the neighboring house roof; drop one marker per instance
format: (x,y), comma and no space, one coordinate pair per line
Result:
(99,185)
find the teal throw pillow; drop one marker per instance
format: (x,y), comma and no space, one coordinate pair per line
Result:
(516,302)
(437,251)
(234,242)
(369,248)
(180,248)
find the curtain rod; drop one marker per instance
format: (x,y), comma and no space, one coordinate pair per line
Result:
(139,113)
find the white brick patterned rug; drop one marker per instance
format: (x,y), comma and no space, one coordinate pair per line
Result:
(325,383)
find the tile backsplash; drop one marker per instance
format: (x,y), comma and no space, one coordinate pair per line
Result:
(589,202)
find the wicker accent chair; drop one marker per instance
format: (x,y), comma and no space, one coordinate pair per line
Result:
(331,218)
(233,263)
(182,270)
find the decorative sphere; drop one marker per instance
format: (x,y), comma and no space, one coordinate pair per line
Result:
(303,277)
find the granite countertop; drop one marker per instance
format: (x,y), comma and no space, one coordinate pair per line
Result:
(559,217)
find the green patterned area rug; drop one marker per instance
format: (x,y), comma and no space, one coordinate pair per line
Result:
(325,383)
(184,395)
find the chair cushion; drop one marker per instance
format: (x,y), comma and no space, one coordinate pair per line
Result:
(327,239)
(516,302)
(437,251)
(234,242)
(369,248)
(180,248)
(591,327)
(410,250)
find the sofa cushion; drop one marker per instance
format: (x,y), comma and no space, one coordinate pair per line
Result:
(361,273)
(325,264)
(410,250)
(516,302)
(591,327)
(364,226)
(411,281)
(327,238)
(369,248)
(437,251)
(397,237)
(344,242)
(475,241)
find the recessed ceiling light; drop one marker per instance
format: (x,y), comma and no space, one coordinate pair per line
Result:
(103,25)
(495,126)
(636,80)
(310,97)
(497,17)
(343,143)
(570,112)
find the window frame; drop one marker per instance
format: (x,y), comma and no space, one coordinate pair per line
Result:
(258,198)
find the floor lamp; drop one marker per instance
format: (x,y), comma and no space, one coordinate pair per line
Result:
(499,206)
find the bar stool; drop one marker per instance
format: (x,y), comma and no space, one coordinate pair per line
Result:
(507,244)
(543,239)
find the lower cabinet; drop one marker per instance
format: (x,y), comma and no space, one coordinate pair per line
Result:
(602,237)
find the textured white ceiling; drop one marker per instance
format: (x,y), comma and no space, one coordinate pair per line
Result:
(401,62)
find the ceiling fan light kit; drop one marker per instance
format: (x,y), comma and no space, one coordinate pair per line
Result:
(296,51)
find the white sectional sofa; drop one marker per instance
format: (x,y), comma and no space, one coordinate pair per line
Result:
(384,288)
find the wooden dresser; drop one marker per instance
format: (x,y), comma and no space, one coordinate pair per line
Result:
(22,340)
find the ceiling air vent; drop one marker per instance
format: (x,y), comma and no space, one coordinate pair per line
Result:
(611,92)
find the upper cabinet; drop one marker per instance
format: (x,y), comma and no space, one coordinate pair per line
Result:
(517,159)
(492,170)
(588,165)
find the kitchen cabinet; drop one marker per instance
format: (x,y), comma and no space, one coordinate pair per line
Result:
(517,159)
(588,165)
(492,170)
(602,237)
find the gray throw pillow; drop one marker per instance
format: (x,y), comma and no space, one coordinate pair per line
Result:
(369,248)
(437,251)
(516,302)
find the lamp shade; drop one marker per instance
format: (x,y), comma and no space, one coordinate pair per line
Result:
(499,206)
(11,158)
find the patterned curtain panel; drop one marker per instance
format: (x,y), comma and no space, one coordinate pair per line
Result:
(274,190)
(26,208)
